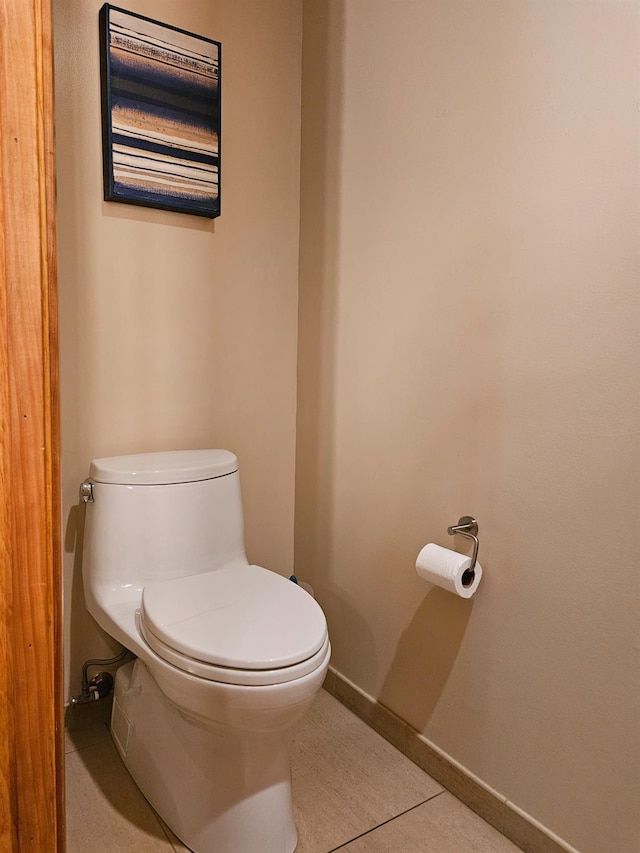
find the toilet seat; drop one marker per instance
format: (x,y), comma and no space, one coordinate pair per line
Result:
(228,675)
(242,625)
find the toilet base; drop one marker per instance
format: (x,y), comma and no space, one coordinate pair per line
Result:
(220,790)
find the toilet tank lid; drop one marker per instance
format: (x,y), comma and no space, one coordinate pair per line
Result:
(174,466)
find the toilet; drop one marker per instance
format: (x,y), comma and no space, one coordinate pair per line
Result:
(229,655)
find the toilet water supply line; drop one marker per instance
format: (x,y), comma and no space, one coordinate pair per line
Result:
(101,684)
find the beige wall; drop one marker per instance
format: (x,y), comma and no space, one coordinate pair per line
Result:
(468,313)
(179,332)
(468,344)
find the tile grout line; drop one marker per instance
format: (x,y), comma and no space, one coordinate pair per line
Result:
(164,827)
(69,740)
(82,748)
(385,822)
(493,807)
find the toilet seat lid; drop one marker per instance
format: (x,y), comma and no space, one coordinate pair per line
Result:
(244,617)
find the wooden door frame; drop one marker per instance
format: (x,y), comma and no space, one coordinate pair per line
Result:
(31,715)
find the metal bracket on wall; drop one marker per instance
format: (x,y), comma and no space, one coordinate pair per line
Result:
(86,492)
(467,526)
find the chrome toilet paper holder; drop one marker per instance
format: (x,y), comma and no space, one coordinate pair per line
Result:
(467,526)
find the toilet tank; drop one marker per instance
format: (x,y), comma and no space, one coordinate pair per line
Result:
(158,516)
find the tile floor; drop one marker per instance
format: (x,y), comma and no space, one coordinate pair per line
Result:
(353,792)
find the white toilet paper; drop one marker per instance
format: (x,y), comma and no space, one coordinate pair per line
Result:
(446,569)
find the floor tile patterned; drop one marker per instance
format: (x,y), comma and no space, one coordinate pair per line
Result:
(352,791)
(105,809)
(441,825)
(347,779)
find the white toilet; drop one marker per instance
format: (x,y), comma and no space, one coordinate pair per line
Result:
(229,655)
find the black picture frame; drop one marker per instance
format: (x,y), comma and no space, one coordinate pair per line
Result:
(160,114)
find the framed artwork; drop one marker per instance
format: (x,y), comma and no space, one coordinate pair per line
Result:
(160,114)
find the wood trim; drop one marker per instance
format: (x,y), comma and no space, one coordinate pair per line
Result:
(492,806)
(31,732)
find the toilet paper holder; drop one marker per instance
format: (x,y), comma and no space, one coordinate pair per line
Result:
(467,526)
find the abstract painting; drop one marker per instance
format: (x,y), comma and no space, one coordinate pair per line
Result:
(160,114)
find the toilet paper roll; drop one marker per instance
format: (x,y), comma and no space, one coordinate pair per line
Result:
(446,569)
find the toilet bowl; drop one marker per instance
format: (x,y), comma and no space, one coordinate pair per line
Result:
(229,655)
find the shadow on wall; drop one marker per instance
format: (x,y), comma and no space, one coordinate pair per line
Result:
(441,302)
(323,82)
(349,631)
(426,654)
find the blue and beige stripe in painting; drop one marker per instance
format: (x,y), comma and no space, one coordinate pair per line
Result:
(162,105)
